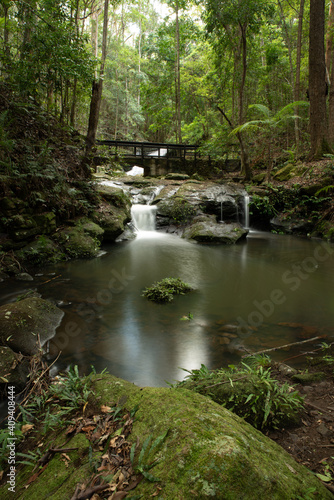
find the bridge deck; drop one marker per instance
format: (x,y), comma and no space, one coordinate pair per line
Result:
(134,149)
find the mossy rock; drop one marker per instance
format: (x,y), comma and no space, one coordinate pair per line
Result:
(308,378)
(205,229)
(115,196)
(41,251)
(177,208)
(14,370)
(112,220)
(209,452)
(174,176)
(27,323)
(77,243)
(61,477)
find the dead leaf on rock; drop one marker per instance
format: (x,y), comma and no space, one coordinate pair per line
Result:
(26,428)
(105,409)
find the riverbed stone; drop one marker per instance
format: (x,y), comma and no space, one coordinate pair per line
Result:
(40,251)
(112,219)
(77,241)
(28,324)
(205,229)
(14,369)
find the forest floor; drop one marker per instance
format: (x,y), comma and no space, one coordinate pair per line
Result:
(312,442)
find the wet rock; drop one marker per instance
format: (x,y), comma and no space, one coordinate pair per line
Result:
(24,277)
(205,229)
(177,176)
(14,369)
(308,378)
(28,324)
(292,225)
(82,240)
(112,220)
(40,251)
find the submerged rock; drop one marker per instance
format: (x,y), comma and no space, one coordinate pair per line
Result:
(205,229)
(28,324)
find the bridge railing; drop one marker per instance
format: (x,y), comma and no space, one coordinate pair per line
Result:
(134,149)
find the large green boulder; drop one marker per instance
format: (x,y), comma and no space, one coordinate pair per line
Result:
(81,240)
(207,452)
(26,325)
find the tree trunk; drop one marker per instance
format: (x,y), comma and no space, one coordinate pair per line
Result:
(330,69)
(97,88)
(245,167)
(298,62)
(178,77)
(317,81)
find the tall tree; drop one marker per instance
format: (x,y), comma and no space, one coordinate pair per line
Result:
(233,22)
(97,87)
(317,81)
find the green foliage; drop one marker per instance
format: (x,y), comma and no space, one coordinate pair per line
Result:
(49,410)
(164,290)
(249,391)
(146,459)
(262,205)
(181,210)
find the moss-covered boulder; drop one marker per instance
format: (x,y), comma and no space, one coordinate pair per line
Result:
(81,240)
(205,229)
(40,251)
(288,171)
(112,219)
(208,452)
(27,324)
(114,195)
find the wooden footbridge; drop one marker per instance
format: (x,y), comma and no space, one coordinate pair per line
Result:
(158,158)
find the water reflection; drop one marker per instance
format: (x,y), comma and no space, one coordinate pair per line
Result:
(268,291)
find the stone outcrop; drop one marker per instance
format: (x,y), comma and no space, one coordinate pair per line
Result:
(207,451)
(205,229)
(26,325)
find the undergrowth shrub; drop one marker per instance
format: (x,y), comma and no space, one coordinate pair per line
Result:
(249,391)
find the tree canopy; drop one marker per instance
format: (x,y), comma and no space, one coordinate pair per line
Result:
(181,70)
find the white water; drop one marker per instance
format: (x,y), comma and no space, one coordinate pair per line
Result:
(246,203)
(143,217)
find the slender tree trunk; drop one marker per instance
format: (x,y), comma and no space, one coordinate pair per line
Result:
(330,69)
(97,88)
(298,63)
(317,81)
(245,167)
(178,76)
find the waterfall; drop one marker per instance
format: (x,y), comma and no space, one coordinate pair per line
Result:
(143,217)
(221,212)
(246,209)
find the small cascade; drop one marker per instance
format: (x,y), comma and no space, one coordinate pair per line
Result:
(221,212)
(246,211)
(143,217)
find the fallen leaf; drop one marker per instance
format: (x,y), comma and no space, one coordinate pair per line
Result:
(291,469)
(105,409)
(26,428)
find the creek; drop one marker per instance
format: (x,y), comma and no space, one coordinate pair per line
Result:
(267,291)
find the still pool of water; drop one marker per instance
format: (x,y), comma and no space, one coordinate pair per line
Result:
(267,291)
